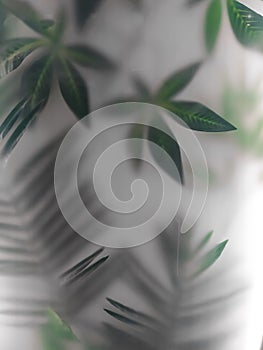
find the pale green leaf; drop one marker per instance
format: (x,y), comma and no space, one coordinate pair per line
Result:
(177,81)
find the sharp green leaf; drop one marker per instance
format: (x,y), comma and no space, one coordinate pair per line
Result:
(73,89)
(211,257)
(246,24)
(177,82)
(88,57)
(37,80)
(167,142)
(212,23)
(26,13)
(14,51)
(198,117)
(84,9)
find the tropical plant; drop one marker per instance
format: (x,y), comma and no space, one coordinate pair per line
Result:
(185,269)
(246,24)
(193,114)
(55,59)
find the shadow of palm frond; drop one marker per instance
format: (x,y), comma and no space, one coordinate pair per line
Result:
(37,244)
(153,304)
(192,314)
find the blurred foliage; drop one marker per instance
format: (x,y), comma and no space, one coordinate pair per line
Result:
(238,104)
(37,78)
(147,332)
(246,24)
(194,115)
(56,333)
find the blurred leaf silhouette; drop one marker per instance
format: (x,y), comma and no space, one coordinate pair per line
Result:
(238,102)
(37,78)
(137,328)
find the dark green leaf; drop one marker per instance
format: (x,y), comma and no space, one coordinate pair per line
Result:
(84,9)
(14,51)
(167,142)
(73,89)
(212,23)
(84,273)
(37,80)
(129,310)
(88,57)
(28,117)
(246,24)
(198,117)
(211,257)
(82,264)
(177,82)
(12,118)
(123,319)
(26,13)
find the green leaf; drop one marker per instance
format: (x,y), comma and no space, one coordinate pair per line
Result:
(204,241)
(14,51)
(26,13)
(59,327)
(12,118)
(123,319)
(246,24)
(28,117)
(167,142)
(73,89)
(37,80)
(59,26)
(84,273)
(81,265)
(84,9)
(177,82)
(130,311)
(212,23)
(198,117)
(211,257)
(88,57)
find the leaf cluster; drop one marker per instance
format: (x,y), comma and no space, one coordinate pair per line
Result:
(193,114)
(54,61)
